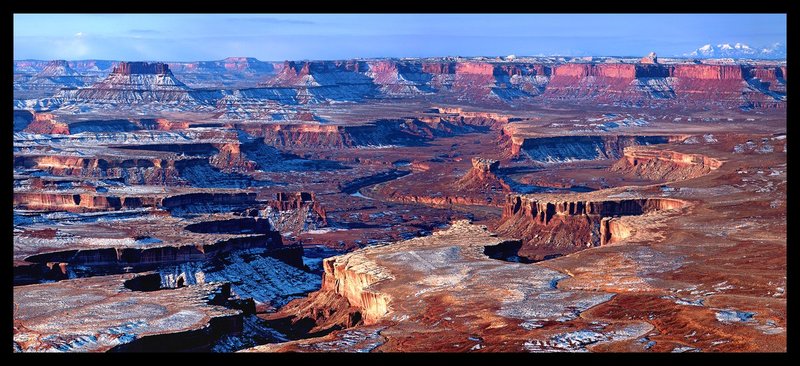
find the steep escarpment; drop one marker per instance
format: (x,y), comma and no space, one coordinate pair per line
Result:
(663,165)
(51,123)
(588,81)
(128,256)
(402,132)
(139,171)
(398,79)
(559,149)
(81,202)
(291,213)
(344,300)
(553,228)
(625,84)
(684,84)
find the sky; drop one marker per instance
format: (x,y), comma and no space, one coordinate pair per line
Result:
(276,37)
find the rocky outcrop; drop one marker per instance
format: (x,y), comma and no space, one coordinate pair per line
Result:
(230,159)
(612,230)
(651,58)
(352,280)
(292,213)
(663,165)
(344,300)
(301,201)
(57,68)
(555,228)
(47,123)
(482,177)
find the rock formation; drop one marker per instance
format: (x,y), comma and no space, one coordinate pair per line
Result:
(571,148)
(649,59)
(482,178)
(550,229)
(137,82)
(292,213)
(663,165)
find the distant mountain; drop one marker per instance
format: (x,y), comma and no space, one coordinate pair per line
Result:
(739,50)
(57,68)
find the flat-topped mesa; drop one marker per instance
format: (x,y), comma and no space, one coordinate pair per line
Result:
(129,68)
(663,165)
(552,228)
(139,83)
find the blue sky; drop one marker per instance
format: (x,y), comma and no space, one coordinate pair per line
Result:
(176,37)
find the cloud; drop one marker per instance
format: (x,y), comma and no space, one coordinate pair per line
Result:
(79,35)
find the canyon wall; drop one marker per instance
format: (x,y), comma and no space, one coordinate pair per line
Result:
(686,85)
(561,149)
(663,165)
(554,228)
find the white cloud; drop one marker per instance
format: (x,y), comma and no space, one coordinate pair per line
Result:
(79,35)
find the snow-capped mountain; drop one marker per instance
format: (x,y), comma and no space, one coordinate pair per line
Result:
(739,50)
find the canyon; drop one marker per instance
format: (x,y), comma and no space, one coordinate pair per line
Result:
(449,204)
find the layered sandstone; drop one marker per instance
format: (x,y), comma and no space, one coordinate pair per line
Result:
(137,82)
(554,228)
(647,82)
(292,213)
(81,202)
(482,177)
(663,165)
(559,149)
(47,123)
